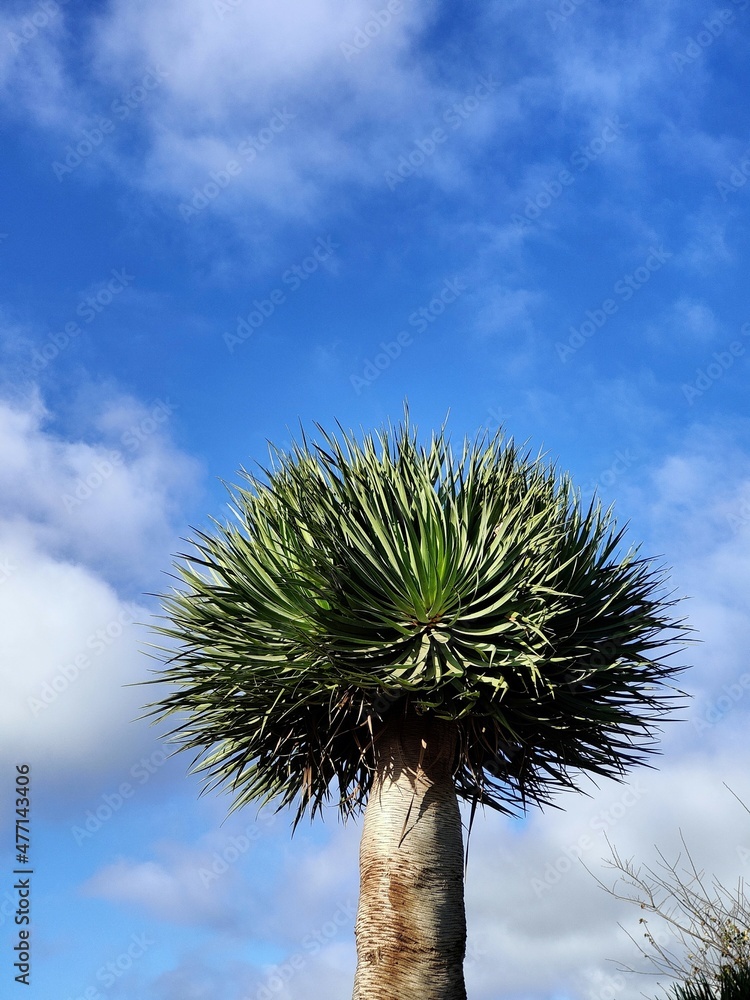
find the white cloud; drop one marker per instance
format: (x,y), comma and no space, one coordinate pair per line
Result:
(216,61)
(204,976)
(225,79)
(688,320)
(225,74)
(83,526)
(692,506)
(32,71)
(696,500)
(68,645)
(170,889)
(529,895)
(106,503)
(508,314)
(709,248)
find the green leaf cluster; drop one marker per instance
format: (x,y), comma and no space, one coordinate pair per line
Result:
(361,576)
(732,983)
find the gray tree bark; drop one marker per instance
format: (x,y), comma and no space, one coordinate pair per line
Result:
(411,923)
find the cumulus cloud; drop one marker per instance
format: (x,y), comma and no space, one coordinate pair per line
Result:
(273,94)
(696,500)
(532,889)
(205,976)
(171,889)
(105,502)
(68,646)
(222,879)
(83,527)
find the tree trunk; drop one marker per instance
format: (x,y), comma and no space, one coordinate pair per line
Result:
(411,924)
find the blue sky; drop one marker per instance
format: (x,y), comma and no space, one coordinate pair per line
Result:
(220,220)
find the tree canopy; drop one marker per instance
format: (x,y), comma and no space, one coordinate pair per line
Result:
(361,573)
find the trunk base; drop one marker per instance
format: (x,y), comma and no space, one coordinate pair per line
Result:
(411,924)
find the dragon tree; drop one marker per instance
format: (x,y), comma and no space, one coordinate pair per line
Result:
(392,627)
